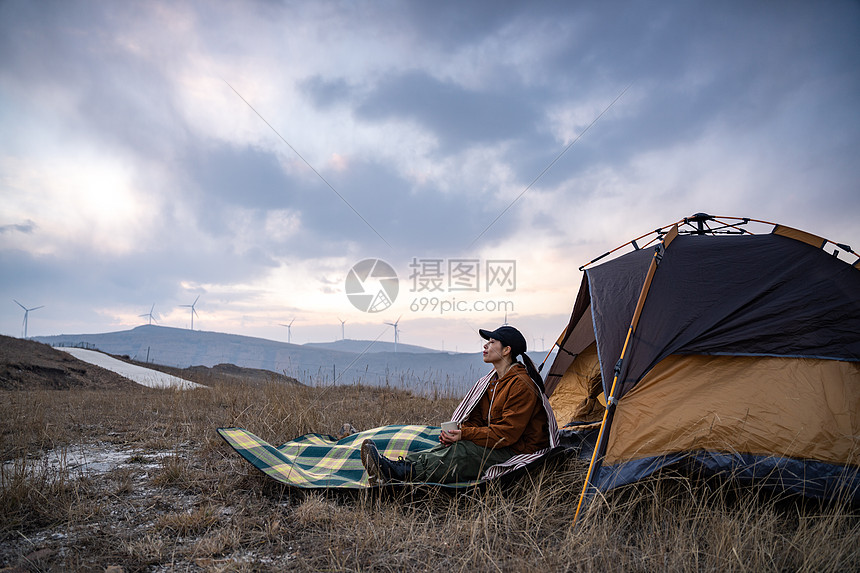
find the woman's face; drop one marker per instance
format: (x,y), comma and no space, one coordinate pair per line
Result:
(494,351)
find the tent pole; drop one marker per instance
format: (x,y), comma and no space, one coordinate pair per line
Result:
(611,401)
(633,242)
(687,221)
(597,445)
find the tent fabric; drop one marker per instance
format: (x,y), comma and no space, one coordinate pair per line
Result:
(578,335)
(614,293)
(716,403)
(763,295)
(579,394)
(809,478)
(798,235)
(745,359)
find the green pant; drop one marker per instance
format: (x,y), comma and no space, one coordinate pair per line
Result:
(462,461)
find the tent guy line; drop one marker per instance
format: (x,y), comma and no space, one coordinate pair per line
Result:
(318,174)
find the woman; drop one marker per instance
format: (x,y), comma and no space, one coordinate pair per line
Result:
(504,415)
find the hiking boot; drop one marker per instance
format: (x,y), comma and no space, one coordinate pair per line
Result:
(370,459)
(380,469)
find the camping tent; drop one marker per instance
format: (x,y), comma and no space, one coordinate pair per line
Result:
(722,350)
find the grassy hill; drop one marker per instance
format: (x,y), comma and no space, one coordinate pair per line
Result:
(28,365)
(118,475)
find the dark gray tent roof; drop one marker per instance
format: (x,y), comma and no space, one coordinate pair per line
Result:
(765,295)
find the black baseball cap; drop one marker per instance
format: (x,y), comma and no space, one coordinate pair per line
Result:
(508,336)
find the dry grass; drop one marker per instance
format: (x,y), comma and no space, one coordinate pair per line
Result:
(182,499)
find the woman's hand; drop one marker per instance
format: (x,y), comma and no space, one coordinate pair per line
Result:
(449,438)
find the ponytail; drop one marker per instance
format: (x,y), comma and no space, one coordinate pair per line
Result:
(533,372)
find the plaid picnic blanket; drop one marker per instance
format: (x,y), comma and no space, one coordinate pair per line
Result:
(321,461)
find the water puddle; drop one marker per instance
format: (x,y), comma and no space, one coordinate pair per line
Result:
(84,460)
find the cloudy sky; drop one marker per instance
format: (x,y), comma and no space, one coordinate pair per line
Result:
(250,153)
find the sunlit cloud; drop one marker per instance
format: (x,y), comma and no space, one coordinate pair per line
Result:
(252,153)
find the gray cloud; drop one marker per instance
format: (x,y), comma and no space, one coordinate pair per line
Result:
(327,92)
(459,117)
(446,111)
(239,176)
(27,227)
(79,56)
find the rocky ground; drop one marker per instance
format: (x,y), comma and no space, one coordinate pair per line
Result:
(100,474)
(100,496)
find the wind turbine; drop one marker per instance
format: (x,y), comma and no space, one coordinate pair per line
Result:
(193,310)
(396,330)
(342,335)
(506,320)
(27,314)
(149,314)
(289,330)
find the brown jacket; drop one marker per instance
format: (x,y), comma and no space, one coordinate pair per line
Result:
(517,419)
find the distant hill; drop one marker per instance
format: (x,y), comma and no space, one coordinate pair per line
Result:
(27,365)
(423,371)
(360,346)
